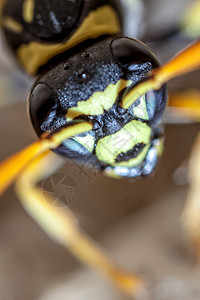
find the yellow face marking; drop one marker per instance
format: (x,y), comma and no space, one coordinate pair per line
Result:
(109,147)
(11,24)
(128,99)
(87,141)
(103,20)
(99,101)
(140,111)
(28,10)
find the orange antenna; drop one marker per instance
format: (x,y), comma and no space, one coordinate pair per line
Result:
(186,61)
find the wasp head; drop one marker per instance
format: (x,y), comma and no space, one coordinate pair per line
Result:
(89,83)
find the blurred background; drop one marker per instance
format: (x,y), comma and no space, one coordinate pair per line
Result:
(139,222)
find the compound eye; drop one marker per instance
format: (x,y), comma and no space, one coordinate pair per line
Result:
(156,103)
(41,103)
(132,55)
(137,58)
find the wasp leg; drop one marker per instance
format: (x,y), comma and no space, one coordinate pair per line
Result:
(11,168)
(191,214)
(186,61)
(60,225)
(186,104)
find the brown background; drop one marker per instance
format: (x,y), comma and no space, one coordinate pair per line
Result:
(138,222)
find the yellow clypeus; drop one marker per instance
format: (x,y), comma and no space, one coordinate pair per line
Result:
(109,147)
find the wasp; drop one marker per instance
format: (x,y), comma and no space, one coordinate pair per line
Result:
(99,97)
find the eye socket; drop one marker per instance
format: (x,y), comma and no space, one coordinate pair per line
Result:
(132,55)
(41,103)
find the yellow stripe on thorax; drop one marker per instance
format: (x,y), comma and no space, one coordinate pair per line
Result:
(103,20)
(28,10)
(99,101)
(109,147)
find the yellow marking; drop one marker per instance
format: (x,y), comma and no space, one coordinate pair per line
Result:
(140,111)
(104,20)
(109,147)
(62,227)
(12,25)
(99,101)
(57,138)
(190,22)
(87,141)
(28,10)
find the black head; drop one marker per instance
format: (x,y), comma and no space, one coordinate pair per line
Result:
(90,85)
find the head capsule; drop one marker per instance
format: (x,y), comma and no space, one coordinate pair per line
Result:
(90,84)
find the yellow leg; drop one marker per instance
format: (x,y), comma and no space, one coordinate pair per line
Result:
(187,103)
(191,214)
(11,168)
(60,225)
